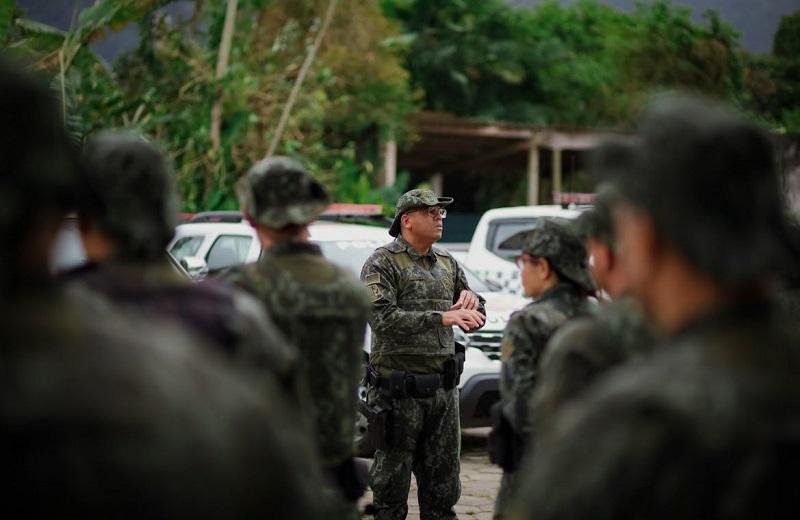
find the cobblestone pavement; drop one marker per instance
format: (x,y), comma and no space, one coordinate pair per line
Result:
(480,481)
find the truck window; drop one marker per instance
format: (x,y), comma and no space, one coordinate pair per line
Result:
(186,246)
(500,230)
(228,250)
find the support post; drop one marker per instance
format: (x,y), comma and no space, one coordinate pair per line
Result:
(556,172)
(533,171)
(390,163)
(437,183)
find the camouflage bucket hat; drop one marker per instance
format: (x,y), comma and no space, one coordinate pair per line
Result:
(560,245)
(707,178)
(278,192)
(412,200)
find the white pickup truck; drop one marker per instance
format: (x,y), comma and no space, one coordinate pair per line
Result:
(496,265)
(209,246)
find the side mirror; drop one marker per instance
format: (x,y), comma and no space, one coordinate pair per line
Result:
(195,266)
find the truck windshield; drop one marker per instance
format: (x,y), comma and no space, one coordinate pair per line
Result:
(502,230)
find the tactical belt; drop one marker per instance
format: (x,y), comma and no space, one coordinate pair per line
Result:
(400,385)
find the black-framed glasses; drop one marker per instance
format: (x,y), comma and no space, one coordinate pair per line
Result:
(433,211)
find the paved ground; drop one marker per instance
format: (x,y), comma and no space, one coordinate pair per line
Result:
(479,481)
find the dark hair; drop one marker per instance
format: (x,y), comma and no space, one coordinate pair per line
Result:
(707,178)
(595,223)
(40,164)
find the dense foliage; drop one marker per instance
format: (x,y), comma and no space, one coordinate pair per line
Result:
(355,95)
(585,64)
(582,64)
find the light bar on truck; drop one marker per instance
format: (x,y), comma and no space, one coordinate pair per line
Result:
(344,209)
(573,198)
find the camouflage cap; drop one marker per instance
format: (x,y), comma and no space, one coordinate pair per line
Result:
(412,200)
(707,178)
(130,193)
(278,192)
(560,245)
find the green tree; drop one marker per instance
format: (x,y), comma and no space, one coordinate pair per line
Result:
(786,72)
(357,92)
(669,51)
(488,60)
(583,64)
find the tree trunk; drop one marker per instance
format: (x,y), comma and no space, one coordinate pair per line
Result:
(222,67)
(301,77)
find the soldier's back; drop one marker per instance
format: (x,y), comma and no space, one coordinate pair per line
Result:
(105,416)
(322,309)
(705,428)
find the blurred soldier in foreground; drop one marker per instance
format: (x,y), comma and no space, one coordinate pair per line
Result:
(320,307)
(102,417)
(617,332)
(127,217)
(419,292)
(708,426)
(553,271)
(790,293)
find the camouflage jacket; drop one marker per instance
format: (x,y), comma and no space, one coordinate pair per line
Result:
(410,291)
(323,310)
(523,345)
(706,427)
(136,418)
(585,348)
(225,317)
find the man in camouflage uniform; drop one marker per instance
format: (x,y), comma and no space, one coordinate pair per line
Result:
(587,347)
(108,417)
(319,306)
(419,292)
(127,216)
(554,272)
(707,427)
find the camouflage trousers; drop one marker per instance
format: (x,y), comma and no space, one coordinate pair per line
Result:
(429,447)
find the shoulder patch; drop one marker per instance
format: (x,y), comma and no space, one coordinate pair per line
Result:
(375,292)
(372,278)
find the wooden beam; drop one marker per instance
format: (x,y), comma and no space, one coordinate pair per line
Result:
(482,131)
(573,140)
